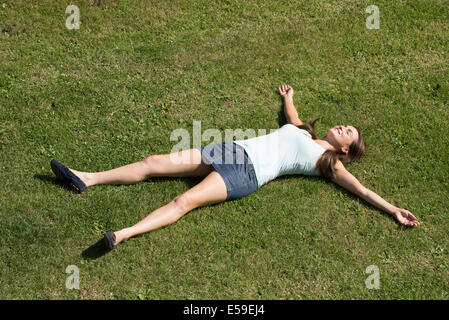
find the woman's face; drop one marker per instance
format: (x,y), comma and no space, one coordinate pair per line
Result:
(341,137)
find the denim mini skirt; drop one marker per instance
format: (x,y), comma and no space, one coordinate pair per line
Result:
(231,161)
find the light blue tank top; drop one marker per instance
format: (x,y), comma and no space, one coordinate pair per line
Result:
(288,150)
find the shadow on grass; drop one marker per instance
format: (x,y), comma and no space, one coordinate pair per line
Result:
(281,114)
(190,181)
(48,178)
(96,250)
(352,197)
(52,179)
(369,205)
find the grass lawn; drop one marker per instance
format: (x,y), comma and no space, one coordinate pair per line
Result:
(112,91)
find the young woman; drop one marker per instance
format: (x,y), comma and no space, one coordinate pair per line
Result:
(292,149)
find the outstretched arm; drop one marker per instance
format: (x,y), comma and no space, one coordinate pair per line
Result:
(290,112)
(345,179)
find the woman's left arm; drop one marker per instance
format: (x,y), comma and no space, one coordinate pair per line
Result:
(345,179)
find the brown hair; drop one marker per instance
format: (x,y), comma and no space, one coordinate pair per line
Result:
(326,163)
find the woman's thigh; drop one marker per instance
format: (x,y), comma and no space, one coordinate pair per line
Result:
(185,163)
(210,190)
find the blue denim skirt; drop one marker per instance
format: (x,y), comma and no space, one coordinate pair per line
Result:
(231,161)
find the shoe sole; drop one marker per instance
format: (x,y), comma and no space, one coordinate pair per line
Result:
(74,188)
(106,242)
(57,172)
(61,177)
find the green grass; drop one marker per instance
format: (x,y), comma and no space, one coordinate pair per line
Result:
(111,93)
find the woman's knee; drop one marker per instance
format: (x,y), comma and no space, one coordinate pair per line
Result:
(145,166)
(153,164)
(209,191)
(150,160)
(184,203)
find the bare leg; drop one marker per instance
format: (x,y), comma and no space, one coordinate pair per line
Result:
(211,190)
(152,166)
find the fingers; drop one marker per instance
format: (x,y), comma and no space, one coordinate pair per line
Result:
(410,223)
(406,218)
(284,88)
(413,220)
(407,222)
(286,91)
(409,219)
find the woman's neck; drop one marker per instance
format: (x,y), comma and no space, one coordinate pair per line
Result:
(324,142)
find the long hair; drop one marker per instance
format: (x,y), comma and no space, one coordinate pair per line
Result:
(326,163)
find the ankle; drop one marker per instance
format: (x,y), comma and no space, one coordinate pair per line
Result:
(86,177)
(121,236)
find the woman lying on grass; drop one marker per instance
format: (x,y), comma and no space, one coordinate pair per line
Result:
(292,149)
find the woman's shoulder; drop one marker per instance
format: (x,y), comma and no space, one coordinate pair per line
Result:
(290,126)
(339,166)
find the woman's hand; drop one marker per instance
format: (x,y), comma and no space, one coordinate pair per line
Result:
(286,91)
(406,218)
